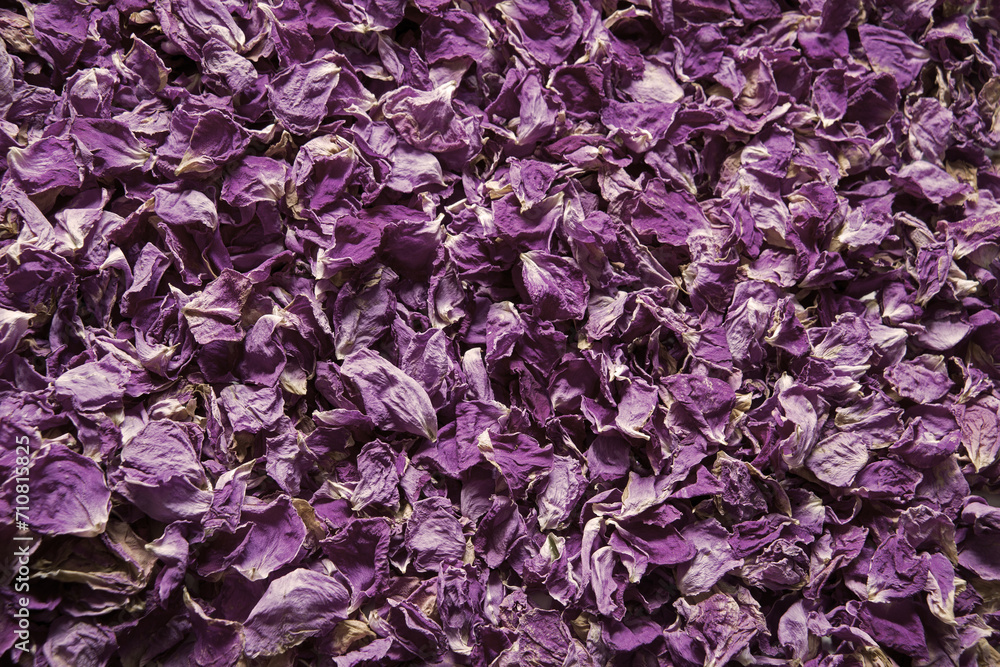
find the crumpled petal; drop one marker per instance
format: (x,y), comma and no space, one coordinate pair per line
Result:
(393,400)
(299,605)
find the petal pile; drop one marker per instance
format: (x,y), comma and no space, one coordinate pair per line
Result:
(520,333)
